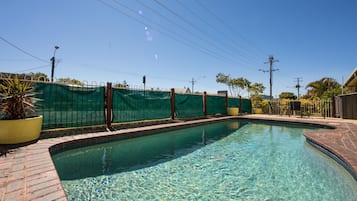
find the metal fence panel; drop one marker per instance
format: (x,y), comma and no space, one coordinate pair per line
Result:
(188,105)
(216,105)
(64,106)
(135,105)
(322,108)
(246,104)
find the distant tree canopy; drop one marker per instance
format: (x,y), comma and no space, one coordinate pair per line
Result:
(122,85)
(323,88)
(39,76)
(287,95)
(26,76)
(235,85)
(256,88)
(70,81)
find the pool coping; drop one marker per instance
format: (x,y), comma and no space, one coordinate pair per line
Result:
(28,173)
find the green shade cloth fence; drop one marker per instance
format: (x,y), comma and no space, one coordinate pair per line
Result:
(188,105)
(134,105)
(65,106)
(216,105)
(246,104)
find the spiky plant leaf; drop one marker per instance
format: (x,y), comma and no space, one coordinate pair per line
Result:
(16,99)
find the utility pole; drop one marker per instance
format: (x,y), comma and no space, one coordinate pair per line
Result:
(193,84)
(53,59)
(144,81)
(298,86)
(271,70)
(193,81)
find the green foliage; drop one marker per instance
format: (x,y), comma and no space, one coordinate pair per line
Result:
(26,76)
(122,85)
(39,76)
(70,81)
(16,99)
(256,89)
(287,95)
(323,88)
(235,85)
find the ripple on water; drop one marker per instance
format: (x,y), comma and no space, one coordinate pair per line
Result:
(268,165)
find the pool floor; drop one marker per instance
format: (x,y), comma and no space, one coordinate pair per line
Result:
(27,173)
(254,162)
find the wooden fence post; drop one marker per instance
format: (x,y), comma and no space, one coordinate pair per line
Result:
(173,112)
(109,105)
(205,103)
(226,103)
(240,105)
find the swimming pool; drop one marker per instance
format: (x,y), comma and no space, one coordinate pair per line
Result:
(233,160)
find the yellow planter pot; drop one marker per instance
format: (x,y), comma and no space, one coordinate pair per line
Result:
(233,111)
(258,111)
(20,130)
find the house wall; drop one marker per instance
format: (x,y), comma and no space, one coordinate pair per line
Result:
(348,106)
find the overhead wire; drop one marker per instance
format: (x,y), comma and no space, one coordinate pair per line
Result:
(191,33)
(188,22)
(215,53)
(174,35)
(234,46)
(23,51)
(227,26)
(168,33)
(34,68)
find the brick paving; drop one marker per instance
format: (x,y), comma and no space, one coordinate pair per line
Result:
(27,173)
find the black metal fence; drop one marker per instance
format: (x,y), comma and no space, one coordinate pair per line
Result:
(320,108)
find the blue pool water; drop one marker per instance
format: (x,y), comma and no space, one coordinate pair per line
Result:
(234,160)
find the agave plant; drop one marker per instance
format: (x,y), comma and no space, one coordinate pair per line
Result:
(16,97)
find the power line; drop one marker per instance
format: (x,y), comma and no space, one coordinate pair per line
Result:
(23,51)
(168,33)
(34,68)
(188,22)
(200,38)
(230,44)
(182,27)
(227,26)
(215,51)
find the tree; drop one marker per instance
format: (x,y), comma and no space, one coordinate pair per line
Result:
(256,89)
(235,85)
(39,76)
(239,84)
(27,76)
(287,95)
(323,88)
(70,81)
(122,85)
(224,79)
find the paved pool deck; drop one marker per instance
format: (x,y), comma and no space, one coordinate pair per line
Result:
(27,172)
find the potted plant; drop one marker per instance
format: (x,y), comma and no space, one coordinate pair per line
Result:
(18,122)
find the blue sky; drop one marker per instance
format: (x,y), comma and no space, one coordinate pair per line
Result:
(173,41)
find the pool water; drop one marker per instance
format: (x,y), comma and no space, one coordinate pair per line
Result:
(234,160)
